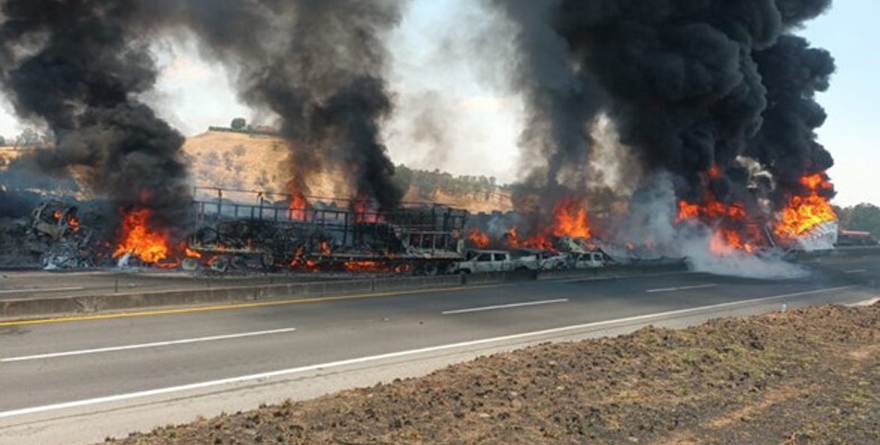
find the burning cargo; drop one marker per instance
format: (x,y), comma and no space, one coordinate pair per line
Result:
(277,230)
(231,229)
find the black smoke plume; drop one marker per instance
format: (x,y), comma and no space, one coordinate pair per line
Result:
(786,144)
(692,86)
(320,66)
(78,66)
(561,100)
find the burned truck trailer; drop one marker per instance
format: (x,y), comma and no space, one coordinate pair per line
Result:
(249,229)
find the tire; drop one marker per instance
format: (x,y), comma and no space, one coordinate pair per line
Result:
(190,264)
(431,269)
(220,264)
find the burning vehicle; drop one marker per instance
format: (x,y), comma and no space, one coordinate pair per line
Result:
(245,230)
(291,231)
(57,233)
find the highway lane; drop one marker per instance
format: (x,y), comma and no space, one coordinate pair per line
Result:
(863,268)
(126,355)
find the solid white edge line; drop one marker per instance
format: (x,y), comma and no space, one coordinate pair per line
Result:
(676,289)
(55,289)
(854,271)
(505,306)
(865,303)
(145,345)
(355,361)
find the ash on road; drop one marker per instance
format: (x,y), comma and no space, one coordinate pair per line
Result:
(806,377)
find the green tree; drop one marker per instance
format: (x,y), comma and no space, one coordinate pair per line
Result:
(239,123)
(28,137)
(863,217)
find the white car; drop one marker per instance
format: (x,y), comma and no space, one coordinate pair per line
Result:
(540,259)
(481,261)
(591,260)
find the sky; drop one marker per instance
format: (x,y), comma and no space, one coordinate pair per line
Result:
(852,131)
(454,113)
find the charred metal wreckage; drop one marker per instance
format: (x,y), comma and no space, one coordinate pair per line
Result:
(248,230)
(264,230)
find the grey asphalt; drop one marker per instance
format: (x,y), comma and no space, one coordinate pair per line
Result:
(336,330)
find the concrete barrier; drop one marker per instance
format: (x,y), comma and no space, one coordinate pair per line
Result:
(49,307)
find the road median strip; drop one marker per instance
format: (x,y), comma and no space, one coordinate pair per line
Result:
(20,312)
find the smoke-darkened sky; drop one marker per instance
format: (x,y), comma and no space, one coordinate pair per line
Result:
(471,127)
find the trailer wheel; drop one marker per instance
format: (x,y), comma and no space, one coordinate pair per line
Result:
(220,264)
(268,261)
(190,264)
(431,269)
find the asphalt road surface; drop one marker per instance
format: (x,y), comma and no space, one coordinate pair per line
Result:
(88,364)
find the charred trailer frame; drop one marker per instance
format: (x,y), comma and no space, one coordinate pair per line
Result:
(263,230)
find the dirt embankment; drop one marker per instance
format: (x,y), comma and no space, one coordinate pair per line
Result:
(806,377)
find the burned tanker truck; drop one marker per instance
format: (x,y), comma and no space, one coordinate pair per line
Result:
(261,230)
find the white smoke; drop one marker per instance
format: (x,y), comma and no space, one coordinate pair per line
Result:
(651,222)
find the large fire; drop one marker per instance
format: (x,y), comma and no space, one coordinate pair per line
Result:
(570,219)
(732,229)
(478,238)
(365,211)
(137,239)
(297,205)
(805,213)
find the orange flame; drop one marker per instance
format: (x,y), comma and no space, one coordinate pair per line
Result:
(511,238)
(570,219)
(722,216)
(298,204)
(364,213)
(151,246)
(297,258)
(73,223)
(711,211)
(714,172)
(366,267)
(478,238)
(687,212)
(325,248)
(804,213)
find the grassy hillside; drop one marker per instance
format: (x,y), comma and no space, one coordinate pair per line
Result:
(241,161)
(257,162)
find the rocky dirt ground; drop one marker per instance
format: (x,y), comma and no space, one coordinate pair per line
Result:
(804,377)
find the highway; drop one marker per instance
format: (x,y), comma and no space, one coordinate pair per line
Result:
(55,375)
